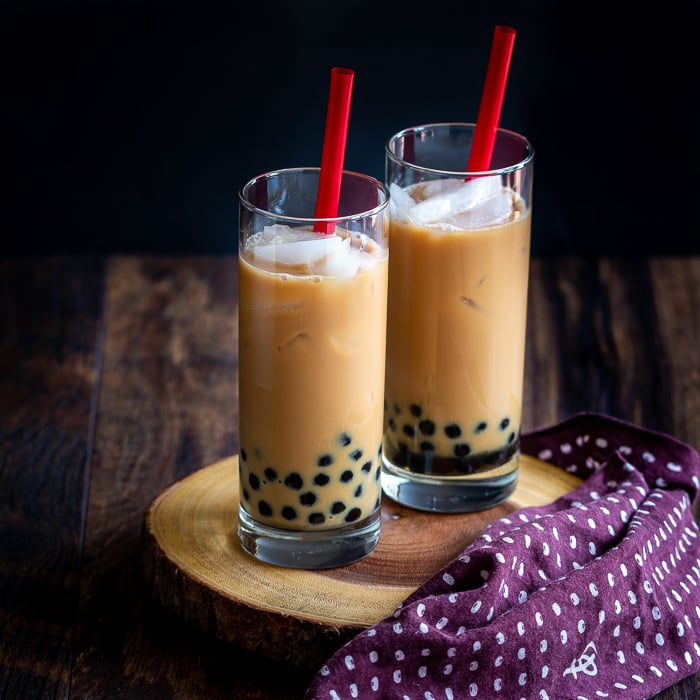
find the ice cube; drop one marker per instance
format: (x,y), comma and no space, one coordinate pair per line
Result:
(453,199)
(400,202)
(495,210)
(296,249)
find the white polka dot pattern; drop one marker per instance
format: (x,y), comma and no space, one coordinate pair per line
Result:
(596,595)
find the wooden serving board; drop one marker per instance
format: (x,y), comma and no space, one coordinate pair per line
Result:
(195,566)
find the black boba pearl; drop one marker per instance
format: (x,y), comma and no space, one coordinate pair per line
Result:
(270,474)
(321,479)
(415,410)
(294,481)
(254,482)
(409,430)
(346,476)
(307,499)
(246,495)
(317,519)
(264,508)
(453,430)
(397,409)
(392,424)
(353,515)
(358,491)
(337,507)
(427,446)
(400,459)
(244,454)
(480,427)
(325,460)
(462,450)
(344,439)
(511,437)
(427,427)
(377,474)
(367,467)
(356,455)
(504,423)
(288,513)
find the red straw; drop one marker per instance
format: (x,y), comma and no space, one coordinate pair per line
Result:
(334,141)
(491,100)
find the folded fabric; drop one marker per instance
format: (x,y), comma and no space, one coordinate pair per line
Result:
(596,595)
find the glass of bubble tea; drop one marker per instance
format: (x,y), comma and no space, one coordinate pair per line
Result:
(312,338)
(458,281)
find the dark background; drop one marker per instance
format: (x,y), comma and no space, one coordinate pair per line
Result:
(129,126)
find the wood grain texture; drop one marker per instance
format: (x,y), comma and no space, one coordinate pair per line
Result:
(197,568)
(50,312)
(118,378)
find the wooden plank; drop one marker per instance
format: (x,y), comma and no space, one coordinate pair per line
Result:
(49,349)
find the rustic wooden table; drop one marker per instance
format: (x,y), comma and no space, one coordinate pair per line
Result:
(118,377)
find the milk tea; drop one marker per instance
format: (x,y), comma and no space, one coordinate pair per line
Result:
(458,276)
(312,328)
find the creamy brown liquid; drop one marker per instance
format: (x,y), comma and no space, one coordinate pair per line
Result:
(455,346)
(311,352)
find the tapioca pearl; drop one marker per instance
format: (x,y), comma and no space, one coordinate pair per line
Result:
(325,460)
(253,481)
(426,446)
(511,438)
(244,454)
(246,495)
(308,498)
(353,515)
(289,513)
(337,507)
(321,479)
(397,409)
(409,430)
(294,481)
(367,467)
(347,475)
(358,491)
(264,508)
(356,455)
(270,474)
(377,473)
(427,427)
(461,450)
(453,431)
(316,519)
(344,439)
(415,410)
(392,425)
(480,427)
(504,424)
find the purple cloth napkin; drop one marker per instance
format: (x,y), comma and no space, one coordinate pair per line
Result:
(596,595)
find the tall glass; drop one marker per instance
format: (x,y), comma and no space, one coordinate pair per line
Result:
(312,340)
(458,280)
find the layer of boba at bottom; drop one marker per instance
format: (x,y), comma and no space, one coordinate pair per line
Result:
(427,462)
(450,494)
(307,549)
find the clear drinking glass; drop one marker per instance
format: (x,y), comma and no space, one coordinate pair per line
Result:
(312,337)
(458,280)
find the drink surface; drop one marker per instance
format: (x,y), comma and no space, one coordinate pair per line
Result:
(312,324)
(456,326)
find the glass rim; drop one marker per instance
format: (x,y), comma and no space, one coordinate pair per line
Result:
(524,162)
(270,174)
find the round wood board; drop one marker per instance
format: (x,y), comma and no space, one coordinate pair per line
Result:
(196,567)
